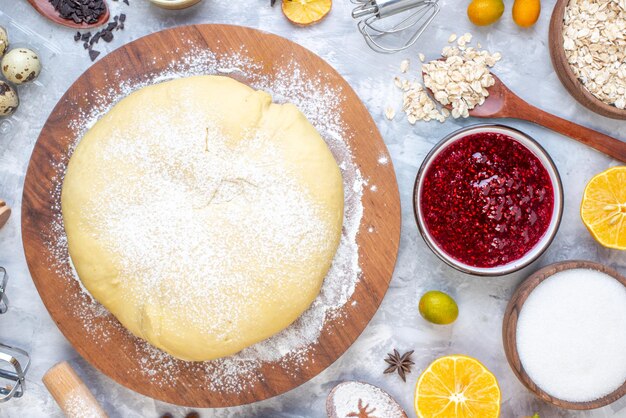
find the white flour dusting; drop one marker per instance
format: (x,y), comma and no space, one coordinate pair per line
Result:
(356,399)
(288,349)
(75,406)
(242,210)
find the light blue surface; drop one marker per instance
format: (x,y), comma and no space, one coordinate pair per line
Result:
(525,68)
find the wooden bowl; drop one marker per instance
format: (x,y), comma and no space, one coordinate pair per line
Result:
(565,73)
(509,332)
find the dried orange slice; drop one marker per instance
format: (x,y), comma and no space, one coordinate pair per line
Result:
(603,209)
(457,387)
(306,12)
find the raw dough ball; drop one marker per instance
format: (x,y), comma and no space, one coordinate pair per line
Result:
(204,226)
(9,100)
(21,65)
(4,41)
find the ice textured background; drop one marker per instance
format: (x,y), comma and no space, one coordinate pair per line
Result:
(525,68)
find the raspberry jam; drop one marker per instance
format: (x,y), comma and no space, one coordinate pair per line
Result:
(486,200)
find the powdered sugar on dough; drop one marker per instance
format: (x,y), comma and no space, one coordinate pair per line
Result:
(323,108)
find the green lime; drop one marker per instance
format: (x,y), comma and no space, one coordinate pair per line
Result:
(438,307)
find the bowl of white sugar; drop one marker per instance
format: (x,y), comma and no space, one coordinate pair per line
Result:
(564,334)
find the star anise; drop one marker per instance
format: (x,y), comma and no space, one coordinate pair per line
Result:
(400,363)
(363,411)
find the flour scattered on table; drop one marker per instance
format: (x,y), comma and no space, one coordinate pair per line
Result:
(290,348)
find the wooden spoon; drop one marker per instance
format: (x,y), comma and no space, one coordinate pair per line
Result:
(45,8)
(503,103)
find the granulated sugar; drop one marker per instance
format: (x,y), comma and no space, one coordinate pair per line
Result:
(571,335)
(288,349)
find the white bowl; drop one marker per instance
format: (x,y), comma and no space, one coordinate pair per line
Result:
(174,4)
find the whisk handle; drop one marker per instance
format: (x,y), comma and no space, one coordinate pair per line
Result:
(368,8)
(388,8)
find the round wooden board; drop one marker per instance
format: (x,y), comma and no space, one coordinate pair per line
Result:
(118,353)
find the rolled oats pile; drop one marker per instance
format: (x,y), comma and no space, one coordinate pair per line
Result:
(594,39)
(417,104)
(461,79)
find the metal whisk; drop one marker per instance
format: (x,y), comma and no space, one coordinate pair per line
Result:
(14,362)
(390,26)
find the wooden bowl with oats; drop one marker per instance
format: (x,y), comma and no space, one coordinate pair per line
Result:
(565,73)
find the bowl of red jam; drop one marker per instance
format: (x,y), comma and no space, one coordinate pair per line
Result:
(488,200)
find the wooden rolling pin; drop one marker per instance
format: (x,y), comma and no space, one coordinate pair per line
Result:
(72,395)
(5,212)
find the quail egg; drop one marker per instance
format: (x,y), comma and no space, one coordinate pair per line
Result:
(8,99)
(4,41)
(21,65)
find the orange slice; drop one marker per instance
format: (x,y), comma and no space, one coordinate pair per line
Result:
(603,209)
(306,12)
(457,387)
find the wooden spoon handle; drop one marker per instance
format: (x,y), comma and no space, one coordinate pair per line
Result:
(610,146)
(72,395)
